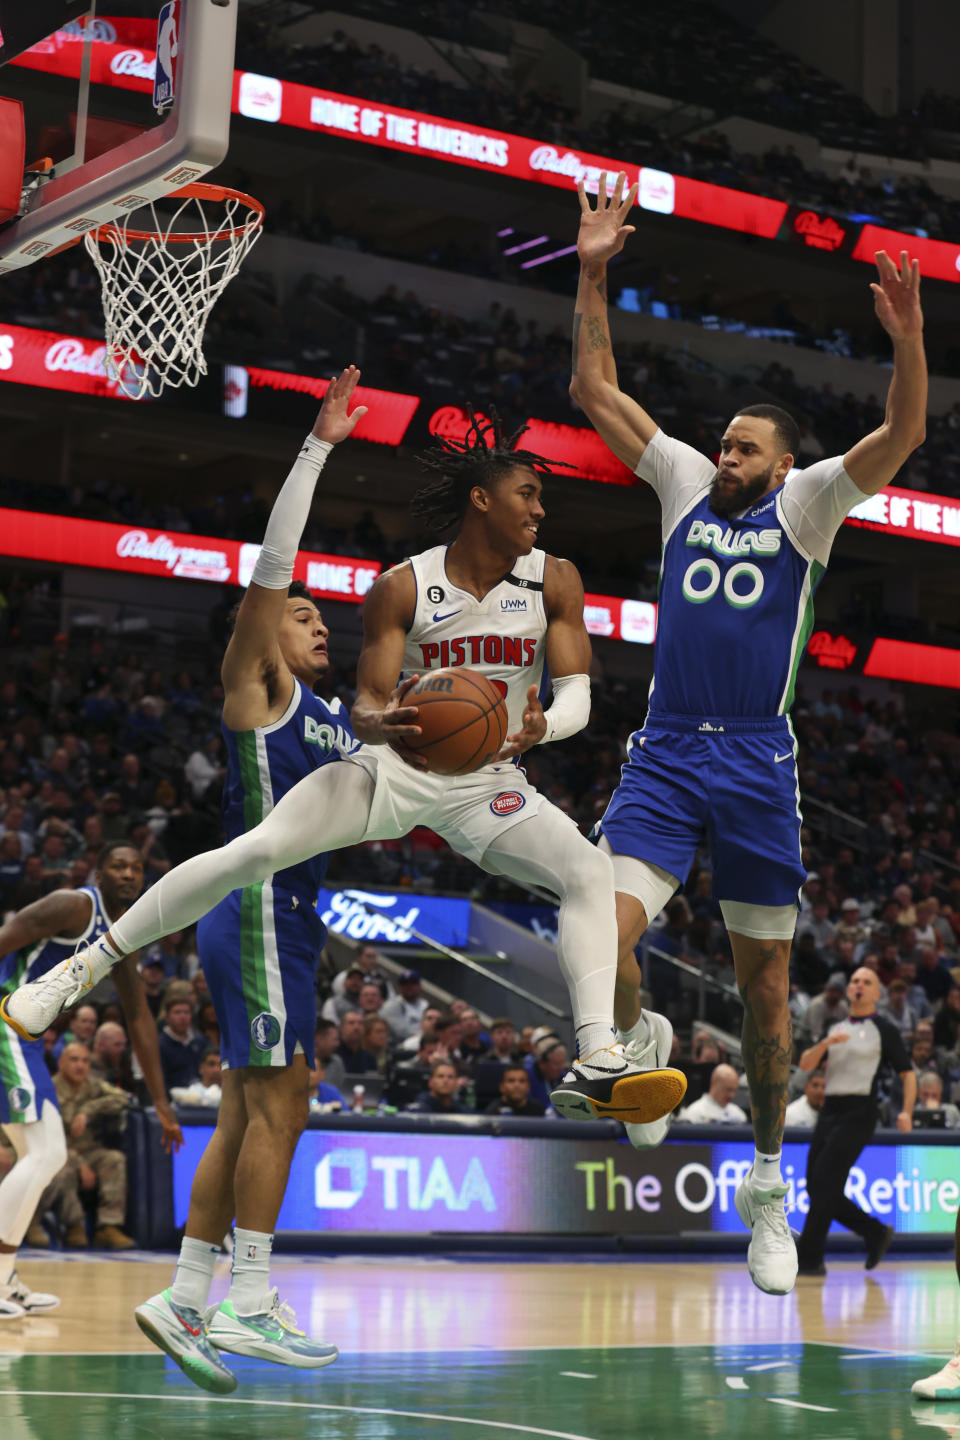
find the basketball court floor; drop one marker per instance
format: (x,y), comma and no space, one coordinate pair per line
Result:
(574,1350)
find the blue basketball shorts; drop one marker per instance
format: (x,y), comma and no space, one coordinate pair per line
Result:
(25,1081)
(259,950)
(731,783)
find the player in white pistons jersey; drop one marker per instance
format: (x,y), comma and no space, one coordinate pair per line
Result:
(488,577)
(501,635)
(745,542)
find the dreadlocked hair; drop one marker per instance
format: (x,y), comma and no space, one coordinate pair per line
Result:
(482,457)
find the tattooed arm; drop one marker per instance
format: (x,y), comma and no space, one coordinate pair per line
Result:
(623,424)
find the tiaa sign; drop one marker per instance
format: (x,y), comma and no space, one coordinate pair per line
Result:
(390,918)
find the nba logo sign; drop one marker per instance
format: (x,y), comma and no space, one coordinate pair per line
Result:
(168,46)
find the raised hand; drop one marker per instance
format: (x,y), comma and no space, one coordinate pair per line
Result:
(333,423)
(603,230)
(534,728)
(896,298)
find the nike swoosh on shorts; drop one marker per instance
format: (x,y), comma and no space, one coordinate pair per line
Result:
(778,759)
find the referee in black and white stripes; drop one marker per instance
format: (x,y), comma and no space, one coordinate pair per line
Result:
(856,1049)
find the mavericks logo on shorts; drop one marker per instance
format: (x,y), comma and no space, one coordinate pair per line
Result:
(507,803)
(20,1099)
(265,1031)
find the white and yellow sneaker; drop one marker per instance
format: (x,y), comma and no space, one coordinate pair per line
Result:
(651,1054)
(32,1008)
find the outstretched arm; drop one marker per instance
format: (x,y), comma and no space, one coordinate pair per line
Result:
(875,460)
(254,647)
(623,424)
(63,912)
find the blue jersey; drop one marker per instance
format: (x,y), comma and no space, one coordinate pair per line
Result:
(35,960)
(264,763)
(736,593)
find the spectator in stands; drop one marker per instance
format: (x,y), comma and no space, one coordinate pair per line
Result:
(440,1096)
(503,1042)
(930,1099)
(205,766)
(180,1045)
(921,1051)
(154,982)
(933,975)
(378,1041)
(717,1107)
(818,924)
(368,961)
(205,1090)
(805,1110)
(474,1040)
(370,999)
(355,1059)
(851,927)
(428,1020)
(448,1032)
(916,995)
(828,1008)
(525,1040)
(515,1094)
(545,1067)
(349,998)
(94,1114)
(325,1042)
(208,1025)
(111,1058)
(946,1022)
(83,1024)
(896,1007)
(404,1012)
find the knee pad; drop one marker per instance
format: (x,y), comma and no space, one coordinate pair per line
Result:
(759,922)
(646,882)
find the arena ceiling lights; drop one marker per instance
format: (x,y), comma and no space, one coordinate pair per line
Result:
(122,56)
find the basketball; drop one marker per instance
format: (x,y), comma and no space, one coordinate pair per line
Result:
(463,720)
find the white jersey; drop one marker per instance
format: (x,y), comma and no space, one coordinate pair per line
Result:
(501,636)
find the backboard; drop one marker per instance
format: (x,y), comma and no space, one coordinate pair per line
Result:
(128,107)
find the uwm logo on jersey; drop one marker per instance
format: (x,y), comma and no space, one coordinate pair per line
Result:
(515,650)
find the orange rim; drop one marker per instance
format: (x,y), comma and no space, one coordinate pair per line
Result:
(198,191)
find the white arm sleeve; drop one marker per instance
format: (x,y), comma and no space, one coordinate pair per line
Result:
(677,473)
(814,504)
(281,541)
(570,710)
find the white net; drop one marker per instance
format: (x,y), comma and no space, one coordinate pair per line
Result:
(162,277)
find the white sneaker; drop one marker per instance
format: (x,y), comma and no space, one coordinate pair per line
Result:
(606,1085)
(273,1334)
(772,1253)
(945,1385)
(31,1302)
(651,1054)
(10,1310)
(33,1007)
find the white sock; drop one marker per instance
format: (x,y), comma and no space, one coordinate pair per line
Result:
(594,1035)
(637,1033)
(194,1273)
(250,1277)
(766,1170)
(100,958)
(8,1260)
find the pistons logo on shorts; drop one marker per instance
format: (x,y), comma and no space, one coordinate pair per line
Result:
(508,803)
(265,1031)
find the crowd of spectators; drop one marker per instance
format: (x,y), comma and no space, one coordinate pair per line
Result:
(762,83)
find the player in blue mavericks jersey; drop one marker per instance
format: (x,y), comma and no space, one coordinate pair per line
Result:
(31,943)
(259,949)
(745,544)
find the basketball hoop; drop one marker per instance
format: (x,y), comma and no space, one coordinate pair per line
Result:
(160,284)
